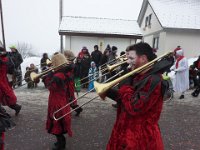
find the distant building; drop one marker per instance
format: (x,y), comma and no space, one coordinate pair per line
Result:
(165,24)
(90,31)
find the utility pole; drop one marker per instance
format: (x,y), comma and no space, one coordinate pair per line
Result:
(2,27)
(60,19)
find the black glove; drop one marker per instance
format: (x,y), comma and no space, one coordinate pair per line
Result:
(112,94)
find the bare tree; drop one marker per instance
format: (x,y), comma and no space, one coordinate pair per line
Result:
(24,49)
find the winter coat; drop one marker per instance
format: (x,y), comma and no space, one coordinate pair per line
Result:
(7,96)
(43,63)
(85,65)
(96,57)
(17,59)
(104,60)
(181,81)
(93,74)
(77,70)
(197,64)
(58,98)
(138,113)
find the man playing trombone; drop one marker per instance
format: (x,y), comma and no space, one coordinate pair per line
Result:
(56,84)
(140,104)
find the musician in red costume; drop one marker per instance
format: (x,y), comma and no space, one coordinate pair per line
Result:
(56,83)
(140,103)
(7,95)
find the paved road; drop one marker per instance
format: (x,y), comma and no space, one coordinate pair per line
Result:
(179,123)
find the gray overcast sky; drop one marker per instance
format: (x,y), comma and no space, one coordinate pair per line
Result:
(36,21)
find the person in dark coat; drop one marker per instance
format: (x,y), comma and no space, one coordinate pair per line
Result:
(113,55)
(29,70)
(96,56)
(196,65)
(7,95)
(103,62)
(17,59)
(112,59)
(5,124)
(56,84)
(43,62)
(85,57)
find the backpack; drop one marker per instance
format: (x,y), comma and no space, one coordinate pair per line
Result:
(166,85)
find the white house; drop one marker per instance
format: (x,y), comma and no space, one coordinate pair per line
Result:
(90,31)
(166,24)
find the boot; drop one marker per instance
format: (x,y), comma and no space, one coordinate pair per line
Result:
(17,108)
(60,144)
(181,97)
(196,92)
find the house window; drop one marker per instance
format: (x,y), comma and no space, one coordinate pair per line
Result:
(148,20)
(156,42)
(149,23)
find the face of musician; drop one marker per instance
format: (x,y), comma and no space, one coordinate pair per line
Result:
(135,60)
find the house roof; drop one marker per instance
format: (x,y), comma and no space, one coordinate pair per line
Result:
(183,14)
(99,26)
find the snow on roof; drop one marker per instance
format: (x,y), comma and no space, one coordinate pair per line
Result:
(183,14)
(99,26)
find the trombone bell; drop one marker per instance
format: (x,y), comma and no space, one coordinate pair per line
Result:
(33,76)
(48,62)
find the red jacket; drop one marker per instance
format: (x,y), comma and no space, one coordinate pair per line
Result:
(136,126)
(7,96)
(57,99)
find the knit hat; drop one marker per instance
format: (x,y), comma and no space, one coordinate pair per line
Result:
(12,47)
(108,47)
(84,48)
(58,59)
(114,48)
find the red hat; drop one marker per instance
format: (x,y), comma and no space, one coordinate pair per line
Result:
(177,49)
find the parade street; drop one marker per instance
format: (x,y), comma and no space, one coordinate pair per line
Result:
(179,123)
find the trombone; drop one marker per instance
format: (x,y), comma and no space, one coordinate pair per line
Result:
(35,76)
(109,68)
(57,111)
(101,88)
(104,66)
